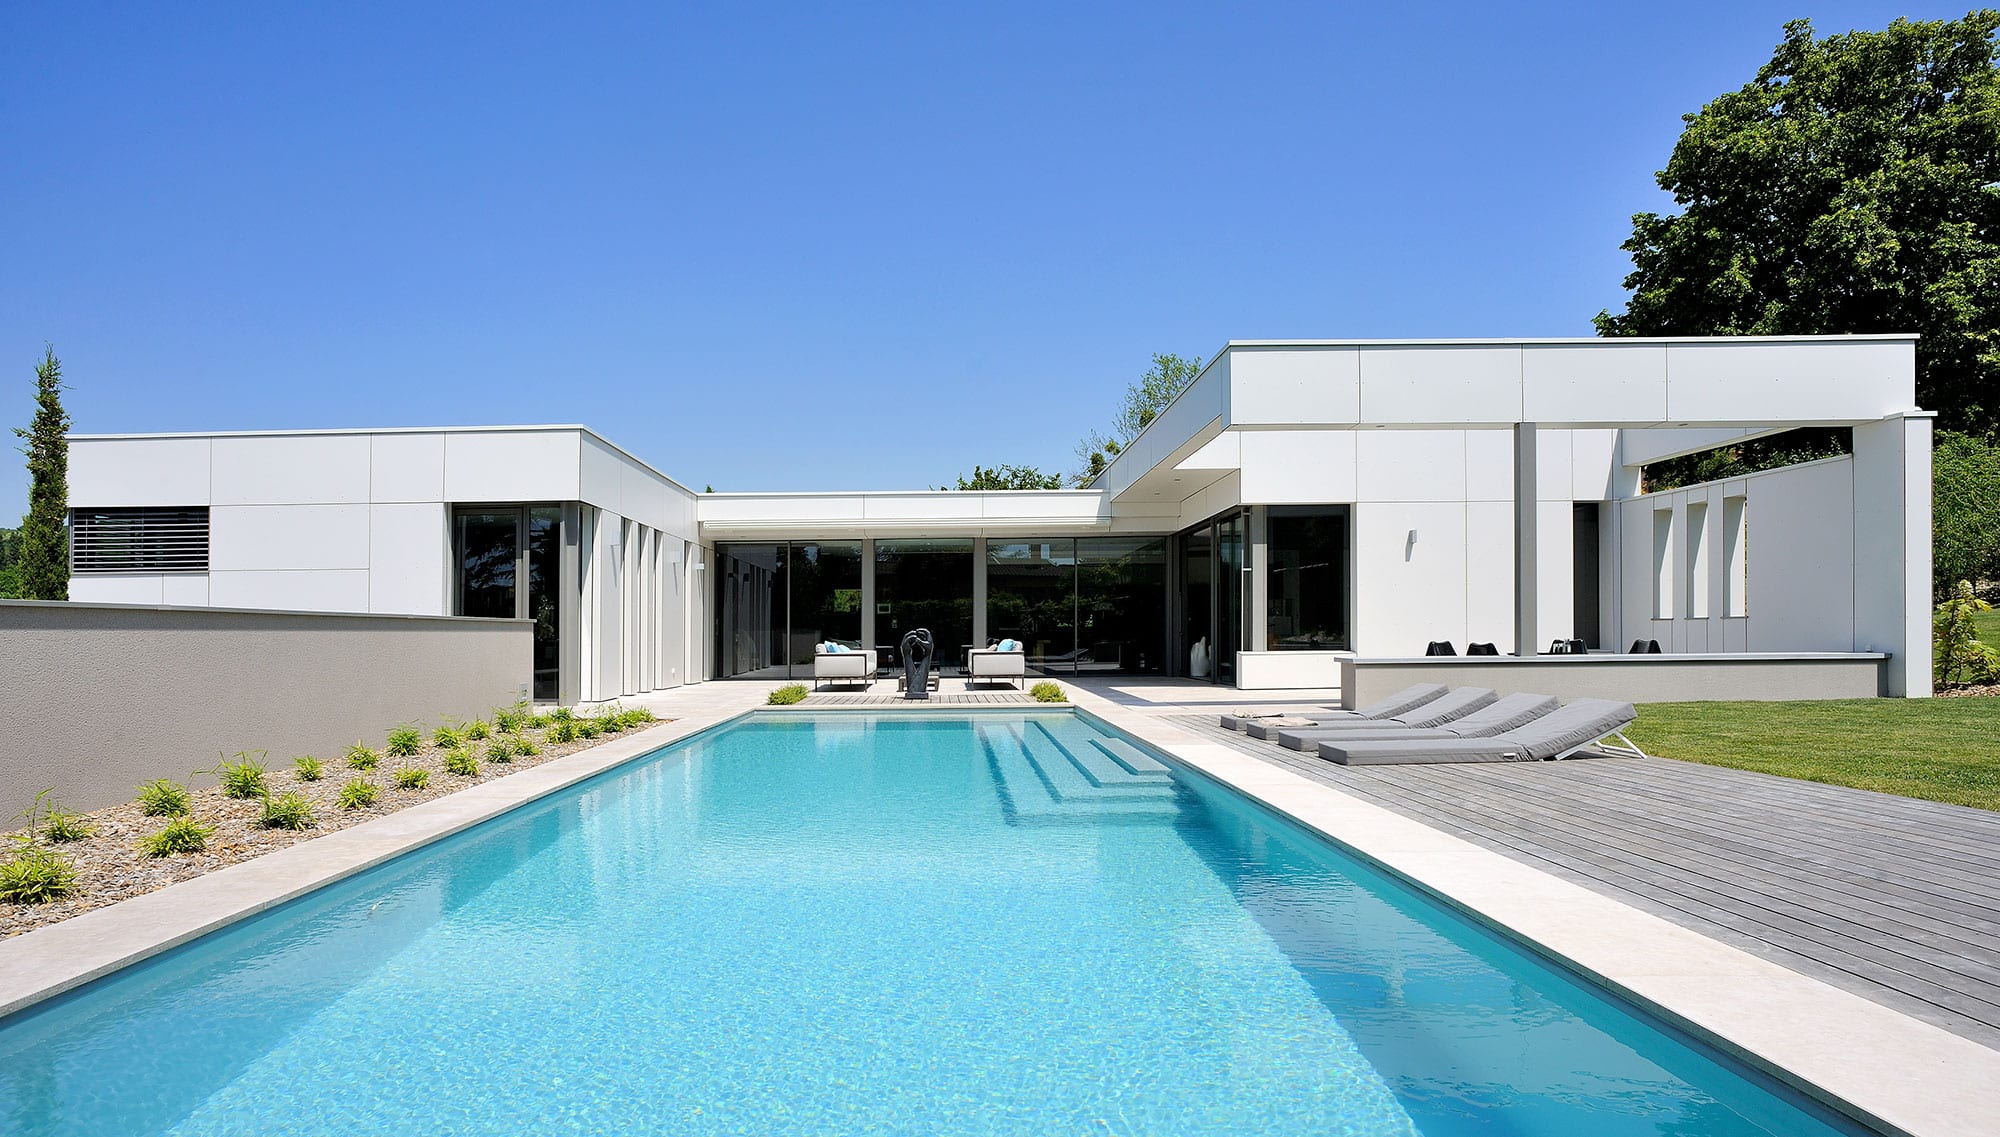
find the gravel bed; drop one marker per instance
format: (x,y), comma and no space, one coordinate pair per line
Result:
(1968,692)
(110,866)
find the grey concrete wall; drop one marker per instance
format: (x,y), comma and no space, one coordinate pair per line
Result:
(1629,678)
(95,699)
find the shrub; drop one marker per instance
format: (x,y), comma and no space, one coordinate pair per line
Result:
(411,777)
(243,778)
(1958,655)
(562,714)
(478,731)
(58,826)
(462,762)
(309,768)
(610,723)
(539,722)
(163,798)
(588,728)
(637,716)
(181,835)
(787,695)
(447,737)
(525,747)
(357,793)
(404,742)
(361,757)
(561,730)
(1047,692)
(36,876)
(286,811)
(502,750)
(511,719)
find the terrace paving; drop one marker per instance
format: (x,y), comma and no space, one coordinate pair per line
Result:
(1890,898)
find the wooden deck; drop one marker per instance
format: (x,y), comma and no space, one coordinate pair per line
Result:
(1892,898)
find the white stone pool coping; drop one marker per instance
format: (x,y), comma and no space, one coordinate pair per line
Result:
(1887,1069)
(1892,1071)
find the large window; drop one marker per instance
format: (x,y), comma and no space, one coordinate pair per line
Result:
(925,584)
(775,601)
(500,549)
(1121,604)
(750,611)
(1307,547)
(1031,597)
(139,540)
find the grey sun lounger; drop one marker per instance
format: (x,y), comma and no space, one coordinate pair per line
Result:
(1452,705)
(1496,717)
(1407,699)
(1558,734)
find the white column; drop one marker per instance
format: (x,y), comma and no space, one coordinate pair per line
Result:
(1258,595)
(1892,548)
(979,592)
(1526,545)
(867,594)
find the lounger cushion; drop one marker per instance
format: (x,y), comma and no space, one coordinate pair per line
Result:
(1453,704)
(1580,723)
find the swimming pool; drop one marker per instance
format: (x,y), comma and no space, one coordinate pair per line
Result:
(1000,922)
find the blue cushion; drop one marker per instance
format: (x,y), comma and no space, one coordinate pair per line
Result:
(1009,645)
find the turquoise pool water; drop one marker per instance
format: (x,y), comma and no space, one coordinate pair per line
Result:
(1002,923)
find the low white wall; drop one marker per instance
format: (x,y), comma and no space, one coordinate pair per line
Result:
(1279,670)
(1734,676)
(99,698)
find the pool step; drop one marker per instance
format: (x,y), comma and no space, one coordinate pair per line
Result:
(1092,761)
(1135,760)
(1039,792)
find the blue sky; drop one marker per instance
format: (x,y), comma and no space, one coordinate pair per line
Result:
(837,247)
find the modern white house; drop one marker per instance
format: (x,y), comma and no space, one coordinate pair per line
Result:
(1300,504)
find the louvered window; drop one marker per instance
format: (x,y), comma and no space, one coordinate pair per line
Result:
(150,539)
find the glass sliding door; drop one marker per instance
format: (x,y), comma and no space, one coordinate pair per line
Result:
(925,584)
(1230,563)
(1309,598)
(1031,597)
(750,611)
(1197,604)
(1121,603)
(509,566)
(825,599)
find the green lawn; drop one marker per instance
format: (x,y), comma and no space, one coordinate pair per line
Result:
(1941,749)
(1988,624)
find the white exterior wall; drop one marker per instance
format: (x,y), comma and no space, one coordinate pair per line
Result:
(360,521)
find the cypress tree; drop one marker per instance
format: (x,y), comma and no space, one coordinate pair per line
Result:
(43,568)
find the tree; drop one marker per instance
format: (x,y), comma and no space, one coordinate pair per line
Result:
(1144,400)
(1009,477)
(10,553)
(1965,512)
(1852,186)
(43,568)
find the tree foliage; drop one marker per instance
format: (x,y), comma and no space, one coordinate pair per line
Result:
(1009,477)
(43,568)
(10,555)
(1144,400)
(1965,511)
(1853,186)
(1958,656)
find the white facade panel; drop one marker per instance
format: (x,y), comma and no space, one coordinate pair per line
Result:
(1595,472)
(1414,550)
(139,471)
(1608,381)
(190,589)
(119,588)
(1488,576)
(1441,384)
(406,467)
(1801,558)
(289,537)
(306,469)
(1489,465)
(507,466)
(1281,387)
(1751,382)
(1299,467)
(1554,465)
(409,559)
(332,590)
(1410,465)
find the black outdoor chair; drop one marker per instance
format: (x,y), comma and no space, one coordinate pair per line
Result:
(1481,649)
(1440,647)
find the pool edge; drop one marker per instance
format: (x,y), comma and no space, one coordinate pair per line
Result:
(42,964)
(1923,1081)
